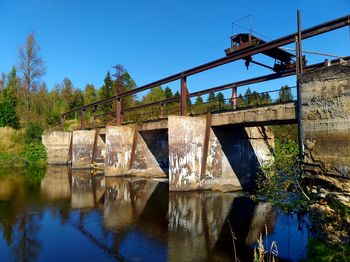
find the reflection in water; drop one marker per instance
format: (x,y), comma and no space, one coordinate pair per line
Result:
(76,216)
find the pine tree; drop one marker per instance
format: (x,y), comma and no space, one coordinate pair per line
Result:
(285,94)
(220,97)
(168,93)
(211,97)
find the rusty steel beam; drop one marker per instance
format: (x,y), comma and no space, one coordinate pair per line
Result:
(174,99)
(206,146)
(133,149)
(307,33)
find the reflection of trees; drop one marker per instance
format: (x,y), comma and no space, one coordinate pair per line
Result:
(27,246)
(19,224)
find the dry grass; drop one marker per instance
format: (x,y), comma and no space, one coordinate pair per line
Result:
(11,140)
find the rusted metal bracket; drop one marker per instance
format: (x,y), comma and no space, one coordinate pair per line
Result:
(134,145)
(70,153)
(94,149)
(82,119)
(206,146)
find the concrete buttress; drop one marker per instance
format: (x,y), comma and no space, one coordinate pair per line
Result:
(127,153)
(234,155)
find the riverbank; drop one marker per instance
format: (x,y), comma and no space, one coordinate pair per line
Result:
(19,148)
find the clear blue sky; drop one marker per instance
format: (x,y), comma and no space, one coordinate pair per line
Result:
(155,38)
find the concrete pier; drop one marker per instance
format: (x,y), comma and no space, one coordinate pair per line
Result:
(127,152)
(84,149)
(233,155)
(57,146)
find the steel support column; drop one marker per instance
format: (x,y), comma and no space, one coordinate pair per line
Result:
(299,71)
(118,113)
(134,145)
(206,146)
(82,120)
(183,96)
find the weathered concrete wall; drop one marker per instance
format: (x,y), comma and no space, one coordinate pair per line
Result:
(118,149)
(233,156)
(119,143)
(57,146)
(326,123)
(82,149)
(269,114)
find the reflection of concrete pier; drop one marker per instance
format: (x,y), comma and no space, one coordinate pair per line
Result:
(195,220)
(129,207)
(87,190)
(55,184)
(125,200)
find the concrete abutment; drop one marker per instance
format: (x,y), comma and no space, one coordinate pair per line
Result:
(325,101)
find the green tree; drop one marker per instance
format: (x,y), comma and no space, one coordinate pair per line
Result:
(67,93)
(285,94)
(220,97)
(32,67)
(168,93)
(90,95)
(9,92)
(248,97)
(8,116)
(200,107)
(155,94)
(106,91)
(211,97)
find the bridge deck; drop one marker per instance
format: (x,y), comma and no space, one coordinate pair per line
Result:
(266,115)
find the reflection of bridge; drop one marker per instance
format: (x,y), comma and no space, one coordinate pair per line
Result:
(129,208)
(222,150)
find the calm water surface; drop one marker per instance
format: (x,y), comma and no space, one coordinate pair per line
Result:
(64,215)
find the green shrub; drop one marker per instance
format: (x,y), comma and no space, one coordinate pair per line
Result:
(280,182)
(34,153)
(33,132)
(8,116)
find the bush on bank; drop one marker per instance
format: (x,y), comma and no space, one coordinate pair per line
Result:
(23,147)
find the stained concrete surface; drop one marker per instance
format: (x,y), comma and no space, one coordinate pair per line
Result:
(326,124)
(234,155)
(57,146)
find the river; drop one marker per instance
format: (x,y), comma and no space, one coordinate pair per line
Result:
(65,215)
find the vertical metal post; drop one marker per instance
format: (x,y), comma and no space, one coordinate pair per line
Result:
(234,97)
(206,146)
(299,44)
(161,113)
(62,121)
(133,149)
(82,120)
(118,109)
(94,149)
(299,71)
(183,96)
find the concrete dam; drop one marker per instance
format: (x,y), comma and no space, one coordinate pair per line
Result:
(221,151)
